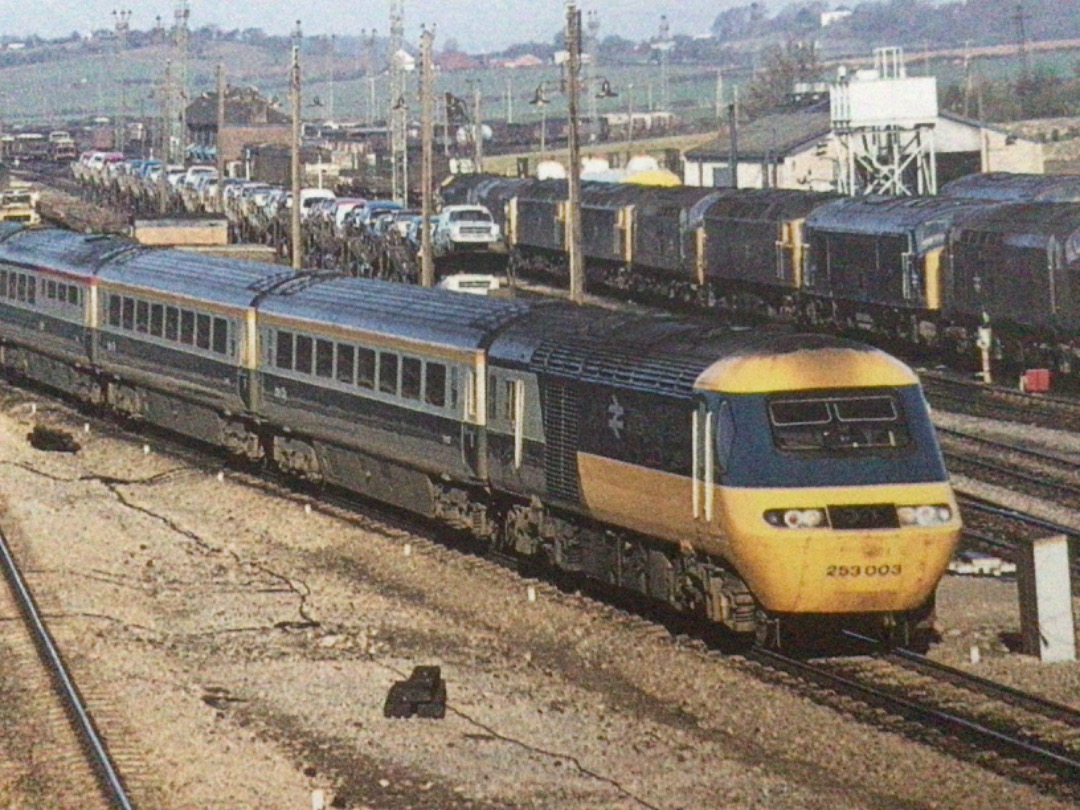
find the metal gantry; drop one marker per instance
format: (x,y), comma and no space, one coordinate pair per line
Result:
(884,124)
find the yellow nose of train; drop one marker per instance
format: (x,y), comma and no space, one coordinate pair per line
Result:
(797,553)
(834,497)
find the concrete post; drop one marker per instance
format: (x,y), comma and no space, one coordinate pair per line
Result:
(1043,577)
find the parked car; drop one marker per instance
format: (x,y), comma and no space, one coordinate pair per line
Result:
(465,228)
(310,197)
(472,283)
(363,216)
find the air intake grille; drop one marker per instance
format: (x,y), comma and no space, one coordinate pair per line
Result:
(560,452)
(868,516)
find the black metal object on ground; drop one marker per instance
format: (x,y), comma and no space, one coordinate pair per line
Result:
(52,440)
(423,695)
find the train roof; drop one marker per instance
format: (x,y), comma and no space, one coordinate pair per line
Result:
(72,253)
(928,218)
(1010,187)
(235,283)
(674,357)
(403,311)
(609,195)
(478,188)
(765,204)
(1027,224)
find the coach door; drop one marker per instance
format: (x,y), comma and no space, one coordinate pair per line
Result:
(473,432)
(702,462)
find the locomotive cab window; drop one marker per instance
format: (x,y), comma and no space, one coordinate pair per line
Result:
(844,423)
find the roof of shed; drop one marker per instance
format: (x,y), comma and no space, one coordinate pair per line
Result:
(769,136)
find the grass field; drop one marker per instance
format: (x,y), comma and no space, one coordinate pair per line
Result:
(77,85)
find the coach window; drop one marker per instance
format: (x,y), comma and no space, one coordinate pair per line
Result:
(157,320)
(411,374)
(365,367)
(455,386)
(284,352)
(73,296)
(3,283)
(115,303)
(187,327)
(13,283)
(50,290)
(172,323)
(202,331)
(128,320)
(22,287)
(142,316)
(221,336)
(346,363)
(388,372)
(509,400)
(324,358)
(303,354)
(435,384)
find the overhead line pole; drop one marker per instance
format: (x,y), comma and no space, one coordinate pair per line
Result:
(220,145)
(294,88)
(573,69)
(427,148)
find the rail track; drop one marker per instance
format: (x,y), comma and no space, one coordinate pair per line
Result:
(88,775)
(1036,473)
(995,402)
(991,736)
(1006,730)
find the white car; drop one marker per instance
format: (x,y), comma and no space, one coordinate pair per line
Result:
(461,228)
(977,564)
(473,283)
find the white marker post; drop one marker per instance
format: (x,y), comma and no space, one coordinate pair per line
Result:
(1044,583)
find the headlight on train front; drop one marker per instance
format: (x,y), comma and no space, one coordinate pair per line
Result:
(926,515)
(795,518)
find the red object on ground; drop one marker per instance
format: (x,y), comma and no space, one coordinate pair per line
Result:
(1037,380)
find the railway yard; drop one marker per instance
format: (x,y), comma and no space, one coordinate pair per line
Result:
(232,642)
(234,637)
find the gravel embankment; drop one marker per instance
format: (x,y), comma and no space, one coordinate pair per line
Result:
(239,649)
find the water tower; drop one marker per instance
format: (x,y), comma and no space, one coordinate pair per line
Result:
(884,124)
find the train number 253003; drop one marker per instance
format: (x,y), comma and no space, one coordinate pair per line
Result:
(863,571)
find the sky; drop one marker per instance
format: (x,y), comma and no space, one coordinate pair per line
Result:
(477,25)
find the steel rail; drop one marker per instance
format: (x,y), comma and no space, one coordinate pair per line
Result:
(112,785)
(1065,765)
(1037,703)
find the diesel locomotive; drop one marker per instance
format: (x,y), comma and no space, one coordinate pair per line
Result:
(927,271)
(754,477)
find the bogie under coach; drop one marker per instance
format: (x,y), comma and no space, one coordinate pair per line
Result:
(756,478)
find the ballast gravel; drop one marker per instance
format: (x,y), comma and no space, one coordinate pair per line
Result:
(237,647)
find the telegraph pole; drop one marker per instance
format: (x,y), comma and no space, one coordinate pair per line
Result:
(220,137)
(478,130)
(166,138)
(398,108)
(594,53)
(122,22)
(333,39)
(294,90)
(181,15)
(664,45)
(1020,19)
(427,147)
(573,70)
